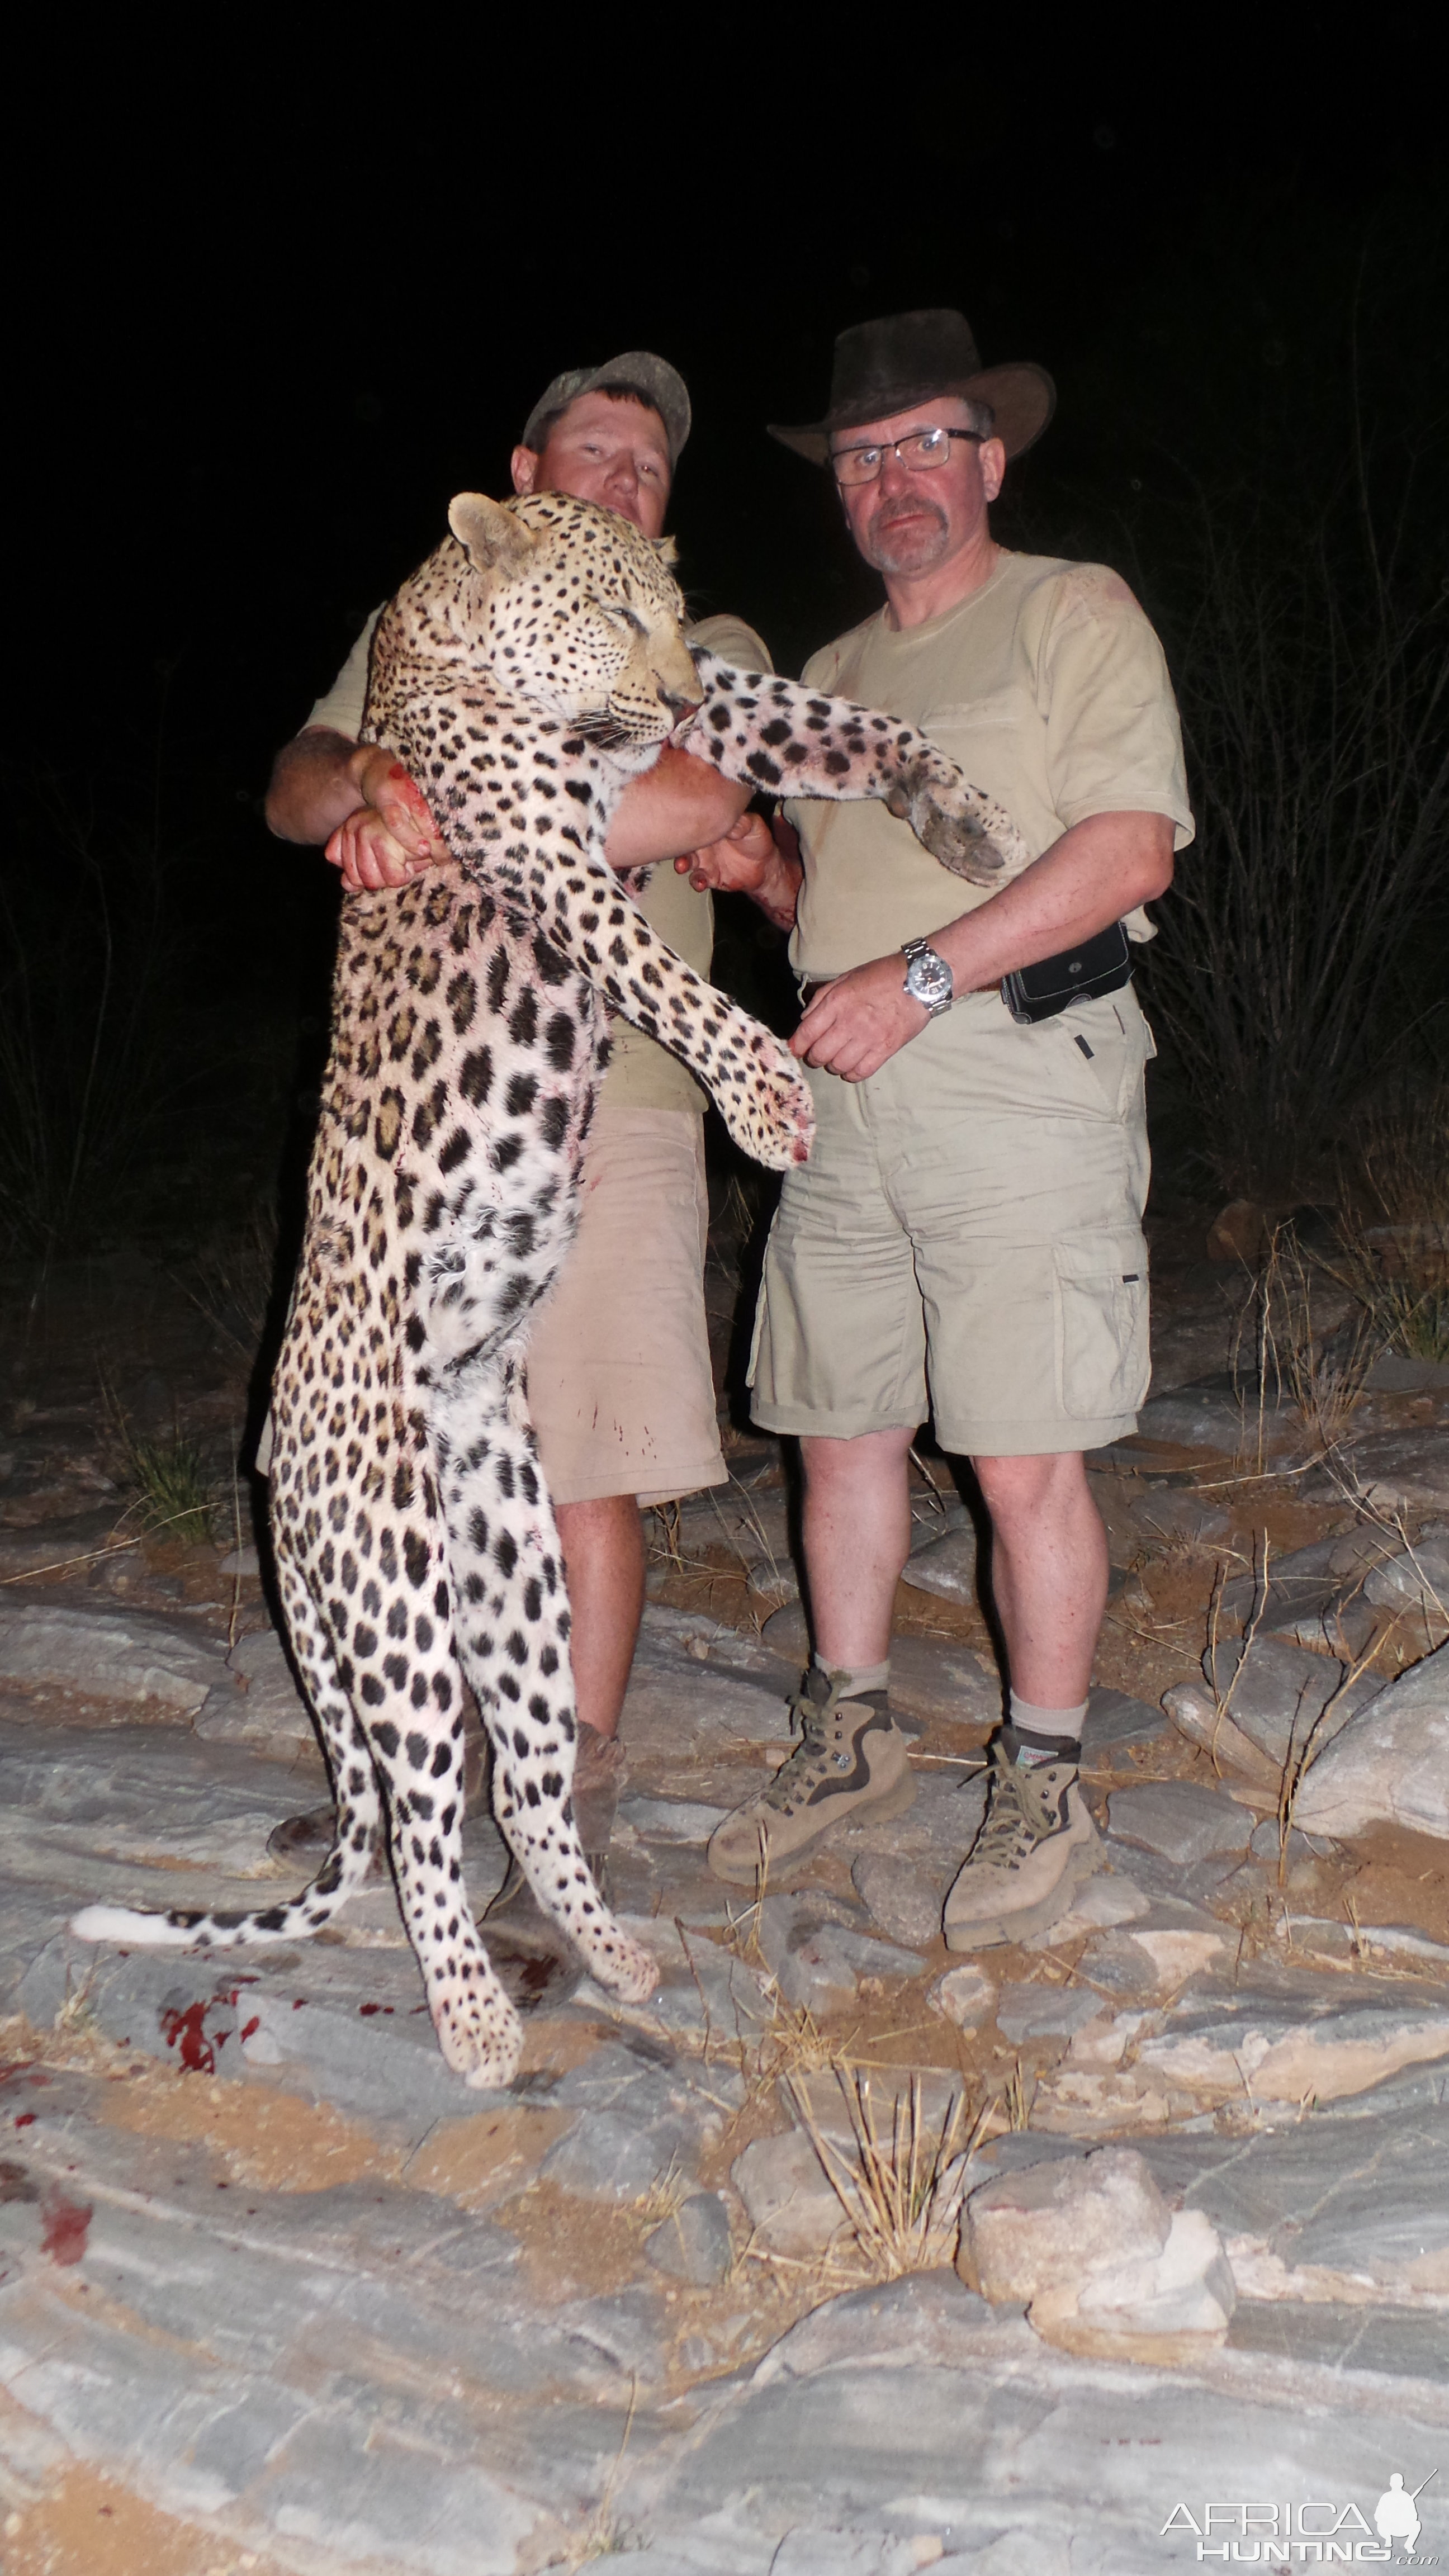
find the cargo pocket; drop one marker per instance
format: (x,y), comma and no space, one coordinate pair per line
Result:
(1102,1338)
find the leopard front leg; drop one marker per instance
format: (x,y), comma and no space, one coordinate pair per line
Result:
(769,733)
(586,917)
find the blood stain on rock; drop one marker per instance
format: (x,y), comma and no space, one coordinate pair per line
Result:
(188,2029)
(67,2224)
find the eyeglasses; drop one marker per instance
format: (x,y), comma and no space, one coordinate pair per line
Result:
(921,453)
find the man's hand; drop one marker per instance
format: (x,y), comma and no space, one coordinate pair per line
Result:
(739,864)
(756,858)
(390,837)
(856,1024)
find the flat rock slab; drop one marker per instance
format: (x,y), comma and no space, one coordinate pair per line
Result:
(646,2119)
(1184,1519)
(936,1830)
(1254,1711)
(312,2365)
(817,1959)
(1404,1470)
(1044,2012)
(47,1546)
(788,2199)
(75,1801)
(684,1702)
(1013,2456)
(1414,1579)
(1392,2342)
(1390,1760)
(131,1655)
(707,1996)
(1319,1611)
(1284,2043)
(935,1680)
(1156,1951)
(1179,1821)
(694,2244)
(1215,1416)
(1353,2202)
(945,1566)
(349,2026)
(671,1820)
(1114,1718)
(260,1701)
(904,1901)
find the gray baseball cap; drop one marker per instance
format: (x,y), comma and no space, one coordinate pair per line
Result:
(654,376)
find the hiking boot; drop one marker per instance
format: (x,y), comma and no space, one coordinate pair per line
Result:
(598,1778)
(850,1762)
(1036,1848)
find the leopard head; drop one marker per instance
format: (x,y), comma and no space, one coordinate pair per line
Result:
(575,609)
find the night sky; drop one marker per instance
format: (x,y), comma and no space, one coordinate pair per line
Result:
(269,307)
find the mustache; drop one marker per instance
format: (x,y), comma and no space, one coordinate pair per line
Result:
(909,505)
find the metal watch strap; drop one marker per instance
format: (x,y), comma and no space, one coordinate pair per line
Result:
(914,949)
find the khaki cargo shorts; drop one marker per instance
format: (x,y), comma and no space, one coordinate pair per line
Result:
(966,1240)
(619,1381)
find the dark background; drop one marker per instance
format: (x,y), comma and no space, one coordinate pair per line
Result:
(271,302)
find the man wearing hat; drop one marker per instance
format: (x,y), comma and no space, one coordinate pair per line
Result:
(619,1369)
(966,1239)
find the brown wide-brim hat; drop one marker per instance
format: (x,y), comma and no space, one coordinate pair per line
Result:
(889,366)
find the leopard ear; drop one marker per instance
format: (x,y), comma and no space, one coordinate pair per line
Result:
(494,536)
(666,550)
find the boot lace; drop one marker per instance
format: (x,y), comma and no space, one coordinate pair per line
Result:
(810,1762)
(1016,1819)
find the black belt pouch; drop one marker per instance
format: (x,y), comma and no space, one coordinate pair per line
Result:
(1100,965)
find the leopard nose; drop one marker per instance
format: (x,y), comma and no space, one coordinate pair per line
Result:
(678,705)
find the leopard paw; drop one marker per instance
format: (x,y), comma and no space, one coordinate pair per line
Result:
(967,831)
(767,1107)
(480,2034)
(624,1967)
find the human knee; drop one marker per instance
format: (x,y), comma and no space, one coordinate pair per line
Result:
(1019,1490)
(848,1466)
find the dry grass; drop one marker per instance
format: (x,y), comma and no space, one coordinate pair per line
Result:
(601,2536)
(1400,1276)
(169,1477)
(900,2191)
(1321,1371)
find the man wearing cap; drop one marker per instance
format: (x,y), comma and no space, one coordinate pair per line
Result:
(619,1369)
(966,1239)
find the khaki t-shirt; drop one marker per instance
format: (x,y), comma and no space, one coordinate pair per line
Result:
(642,1074)
(1049,687)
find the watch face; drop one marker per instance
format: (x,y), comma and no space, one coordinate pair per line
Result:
(929,979)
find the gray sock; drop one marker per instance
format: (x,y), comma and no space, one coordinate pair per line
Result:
(1045,1734)
(854,1680)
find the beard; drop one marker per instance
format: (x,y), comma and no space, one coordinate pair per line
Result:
(911,543)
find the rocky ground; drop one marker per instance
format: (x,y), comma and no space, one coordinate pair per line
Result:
(842,2257)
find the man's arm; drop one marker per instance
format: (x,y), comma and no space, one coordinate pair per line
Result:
(358,800)
(377,828)
(680,805)
(1091,877)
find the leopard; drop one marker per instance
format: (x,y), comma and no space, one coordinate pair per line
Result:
(534,664)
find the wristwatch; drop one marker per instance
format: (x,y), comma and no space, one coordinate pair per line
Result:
(928,977)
